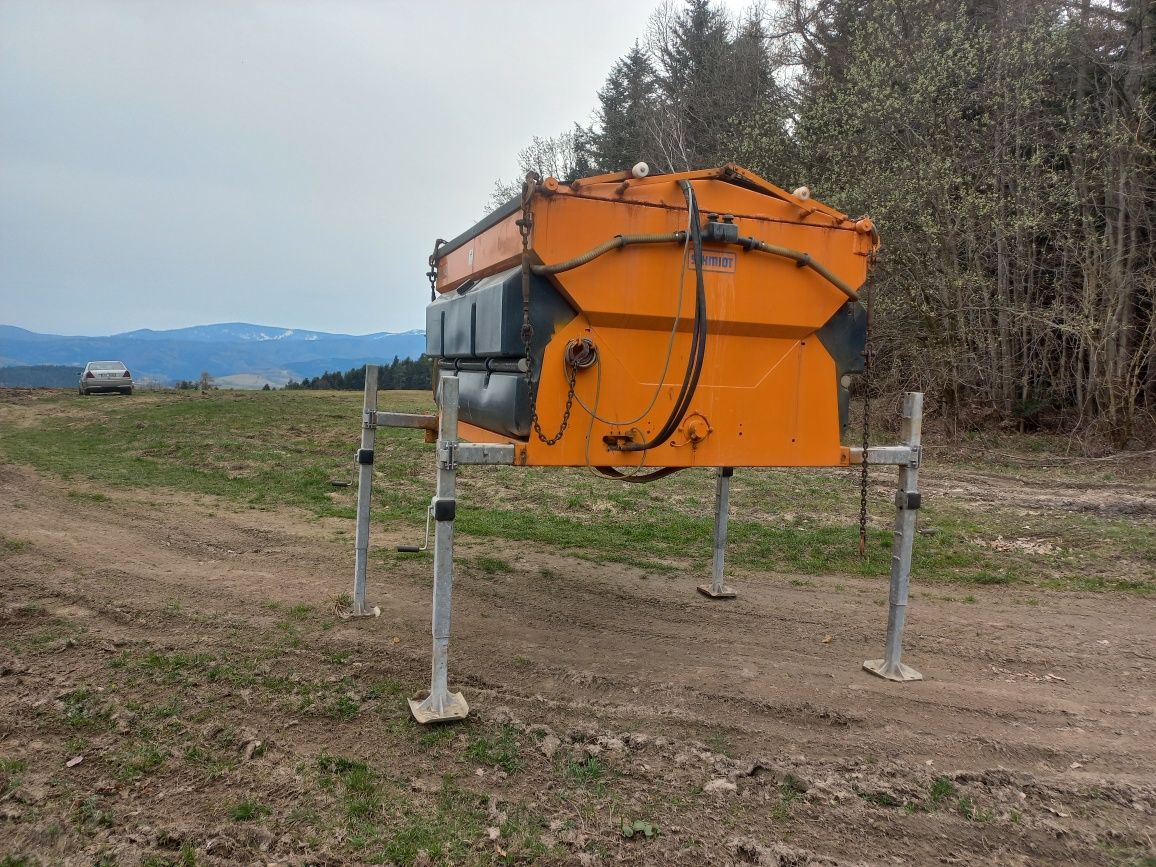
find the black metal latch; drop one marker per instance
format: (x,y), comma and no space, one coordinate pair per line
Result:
(365,457)
(907,499)
(444,508)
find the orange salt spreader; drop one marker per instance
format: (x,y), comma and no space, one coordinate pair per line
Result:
(630,323)
(642,324)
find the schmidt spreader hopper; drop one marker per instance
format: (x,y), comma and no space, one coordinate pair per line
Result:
(640,325)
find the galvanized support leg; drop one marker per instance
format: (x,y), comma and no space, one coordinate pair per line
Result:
(907,502)
(442,705)
(364,491)
(718,588)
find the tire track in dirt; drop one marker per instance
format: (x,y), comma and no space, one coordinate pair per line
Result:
(598,647)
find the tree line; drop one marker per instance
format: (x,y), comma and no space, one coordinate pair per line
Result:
(40,376)
(1005,148)
(401,373)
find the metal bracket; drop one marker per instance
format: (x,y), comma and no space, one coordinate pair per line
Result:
(365,457)
(916,456)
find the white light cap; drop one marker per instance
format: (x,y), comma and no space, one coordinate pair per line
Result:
(640,170)
(803,193)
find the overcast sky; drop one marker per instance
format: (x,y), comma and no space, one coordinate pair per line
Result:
(289,163)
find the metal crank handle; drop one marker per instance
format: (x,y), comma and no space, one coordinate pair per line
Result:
(414,549)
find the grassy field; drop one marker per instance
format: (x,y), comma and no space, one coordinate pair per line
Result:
(264,450)
(177,689)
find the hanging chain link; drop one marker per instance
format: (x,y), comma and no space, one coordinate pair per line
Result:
(432,273)
(867,365)
(525,226)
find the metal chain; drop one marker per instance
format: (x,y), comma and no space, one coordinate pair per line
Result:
(867,365)
(432,273)
(525,225)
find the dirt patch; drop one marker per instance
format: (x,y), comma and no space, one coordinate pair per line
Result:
(183,649)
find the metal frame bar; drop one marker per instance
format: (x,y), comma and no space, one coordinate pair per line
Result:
(907,503)
(404,419)
(718,588)
(364,491)
(890,455)
(441,705)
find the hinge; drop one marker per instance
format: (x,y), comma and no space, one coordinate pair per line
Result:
(447,459)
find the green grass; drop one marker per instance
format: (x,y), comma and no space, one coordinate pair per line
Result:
(212,763)
(970,810)
(343,707)
(247,810)
(12,546)
(272,449)
(89,815)
(587,772)
(383,824)
(942,789)
(186,858)
(435,736)
(493,565)
(789,792)
(136,760)
(881,799)
(502,751)
(10,771)
(84,709)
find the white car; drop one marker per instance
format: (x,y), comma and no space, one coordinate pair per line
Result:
(105,376)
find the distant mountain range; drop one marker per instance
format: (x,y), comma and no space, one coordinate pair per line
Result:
(235,354)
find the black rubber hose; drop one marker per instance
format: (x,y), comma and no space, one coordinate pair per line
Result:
(698,338)
(700,316)
(694,363)
(638,478)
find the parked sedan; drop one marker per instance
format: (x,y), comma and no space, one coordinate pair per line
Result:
(105,376)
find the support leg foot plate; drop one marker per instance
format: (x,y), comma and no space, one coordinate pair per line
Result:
(727,592)
(445,708)
(897,672)
(353,614)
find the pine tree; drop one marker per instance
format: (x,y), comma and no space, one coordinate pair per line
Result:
(695,73)
(627,103)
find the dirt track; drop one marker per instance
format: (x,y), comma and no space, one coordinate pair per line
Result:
(1040,711)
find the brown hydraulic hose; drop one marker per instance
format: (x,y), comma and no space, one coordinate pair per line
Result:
(804,260)
(615,243)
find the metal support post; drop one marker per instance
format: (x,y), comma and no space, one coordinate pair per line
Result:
(364,490)
(718,588)
(442,705)
(907,502)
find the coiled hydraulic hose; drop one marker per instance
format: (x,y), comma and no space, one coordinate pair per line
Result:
(698,337)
